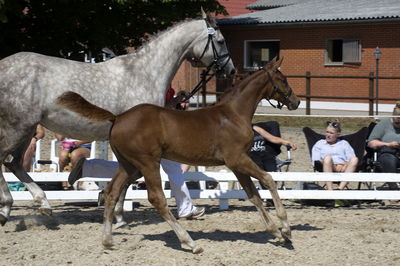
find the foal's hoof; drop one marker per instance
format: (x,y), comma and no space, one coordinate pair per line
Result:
(286,236)
(107,244)
(3,220)
(120,224)
(197,250)
(45,211)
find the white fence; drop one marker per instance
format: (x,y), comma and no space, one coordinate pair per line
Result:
(223,193)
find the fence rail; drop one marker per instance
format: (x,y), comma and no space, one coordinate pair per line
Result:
(224,193)
(371,98)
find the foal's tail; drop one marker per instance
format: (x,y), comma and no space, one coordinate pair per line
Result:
(76,103)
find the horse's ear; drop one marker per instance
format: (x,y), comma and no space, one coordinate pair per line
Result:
(279,62)
(203,14)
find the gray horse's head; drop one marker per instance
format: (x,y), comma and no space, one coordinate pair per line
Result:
(210,50)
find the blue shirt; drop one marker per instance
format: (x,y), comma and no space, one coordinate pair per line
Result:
(340,152)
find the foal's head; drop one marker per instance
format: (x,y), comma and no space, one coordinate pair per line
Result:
(279,87)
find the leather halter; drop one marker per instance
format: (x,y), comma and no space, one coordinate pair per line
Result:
(215,63)
(276,90)
(211,31)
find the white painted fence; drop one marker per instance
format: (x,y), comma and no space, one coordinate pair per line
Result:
(223,193)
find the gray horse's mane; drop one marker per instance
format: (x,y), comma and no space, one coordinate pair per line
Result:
(157,35)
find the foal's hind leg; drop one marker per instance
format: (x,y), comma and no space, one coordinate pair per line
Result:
(112,194)
(119,208)
(243,169)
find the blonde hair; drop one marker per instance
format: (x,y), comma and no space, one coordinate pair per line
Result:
(334,124)
(396,109)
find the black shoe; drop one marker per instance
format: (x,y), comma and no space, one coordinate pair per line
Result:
(76,172)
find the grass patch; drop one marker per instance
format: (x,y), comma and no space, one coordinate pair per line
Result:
(347,123)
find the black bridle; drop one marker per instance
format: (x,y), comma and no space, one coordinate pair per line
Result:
(276,90)
(214,64)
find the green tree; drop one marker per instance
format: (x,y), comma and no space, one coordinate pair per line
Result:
(62,27)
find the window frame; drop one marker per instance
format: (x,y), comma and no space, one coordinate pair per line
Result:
(245,53)
(328,43)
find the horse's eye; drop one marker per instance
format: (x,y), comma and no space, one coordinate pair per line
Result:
(221,41)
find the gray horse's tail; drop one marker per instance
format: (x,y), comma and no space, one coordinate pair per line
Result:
(76,103)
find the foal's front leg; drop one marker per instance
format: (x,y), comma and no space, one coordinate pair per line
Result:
(156,197)
(243,169)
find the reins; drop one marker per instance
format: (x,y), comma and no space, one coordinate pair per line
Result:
(211,31)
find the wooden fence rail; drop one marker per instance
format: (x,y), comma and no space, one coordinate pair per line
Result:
(371,99)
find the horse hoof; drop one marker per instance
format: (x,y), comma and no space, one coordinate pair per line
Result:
(197,250)
(45,211)
(120,224)
(3,220)
(107,244)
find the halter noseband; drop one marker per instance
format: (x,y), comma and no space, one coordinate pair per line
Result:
(211,30)
(276,90)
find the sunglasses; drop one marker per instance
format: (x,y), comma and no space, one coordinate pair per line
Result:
(333,124)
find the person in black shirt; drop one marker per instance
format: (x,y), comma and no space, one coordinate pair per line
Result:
(266,145)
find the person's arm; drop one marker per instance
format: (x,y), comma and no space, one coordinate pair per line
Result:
(348,151)
(316,152)
(59,137)
(80,142)
(185,167)
(39,133)
(377,144)
(274,139)
(376,136)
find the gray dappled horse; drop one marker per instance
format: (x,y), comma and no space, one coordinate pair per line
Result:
(30,83)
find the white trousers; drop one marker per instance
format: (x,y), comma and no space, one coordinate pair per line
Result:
(107,169)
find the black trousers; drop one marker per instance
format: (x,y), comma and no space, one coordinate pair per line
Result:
(389,164)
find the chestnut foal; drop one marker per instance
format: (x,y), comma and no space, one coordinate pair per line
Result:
(216,135)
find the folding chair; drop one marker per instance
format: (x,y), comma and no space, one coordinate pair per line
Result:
(356,140)
(370,160)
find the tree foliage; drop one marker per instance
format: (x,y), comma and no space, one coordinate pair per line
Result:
(61,27)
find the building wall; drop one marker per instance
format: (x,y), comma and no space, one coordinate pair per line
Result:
(303,49)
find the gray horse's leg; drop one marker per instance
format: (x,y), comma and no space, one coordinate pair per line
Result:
(6,200)
(16,167)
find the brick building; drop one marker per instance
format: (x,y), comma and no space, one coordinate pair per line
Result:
(323,37)
(187,77)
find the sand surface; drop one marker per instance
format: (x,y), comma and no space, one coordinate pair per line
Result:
(365,234)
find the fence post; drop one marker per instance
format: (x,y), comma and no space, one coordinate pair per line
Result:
(371,93)
(308,93)
(203,87)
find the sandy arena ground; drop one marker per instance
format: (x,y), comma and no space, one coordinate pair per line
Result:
(368,234)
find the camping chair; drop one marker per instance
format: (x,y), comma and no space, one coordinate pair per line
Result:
(356,140)
(370,160)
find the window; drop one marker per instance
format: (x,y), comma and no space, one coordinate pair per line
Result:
(258,53)
(341,51)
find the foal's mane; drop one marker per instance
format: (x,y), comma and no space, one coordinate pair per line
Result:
(231,92)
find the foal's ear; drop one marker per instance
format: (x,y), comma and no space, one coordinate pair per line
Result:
(279,62)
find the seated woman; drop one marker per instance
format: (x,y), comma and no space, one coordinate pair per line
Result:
(72,151)
(266,145)
(385,137)
(336,155)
